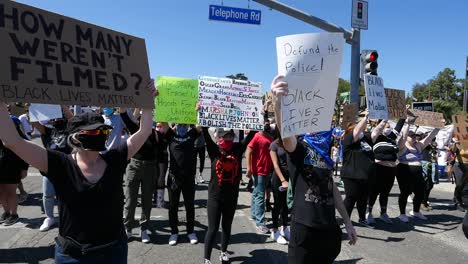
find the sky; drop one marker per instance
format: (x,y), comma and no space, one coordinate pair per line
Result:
(415,39)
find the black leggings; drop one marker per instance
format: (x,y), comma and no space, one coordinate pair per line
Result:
(200,152)
(280,208)
(187,188)
(380,184)
(313,245)
(356,191)
(160,183)
(217,209)
(410,180)
(428,184)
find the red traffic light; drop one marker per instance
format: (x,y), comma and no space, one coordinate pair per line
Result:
(373,56)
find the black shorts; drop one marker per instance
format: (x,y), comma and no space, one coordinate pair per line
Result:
(10,177)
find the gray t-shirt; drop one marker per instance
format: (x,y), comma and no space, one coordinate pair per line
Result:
(115,137)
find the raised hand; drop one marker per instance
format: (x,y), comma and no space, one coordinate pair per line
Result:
(278,87)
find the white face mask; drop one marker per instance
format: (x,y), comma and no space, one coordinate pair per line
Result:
(387,131)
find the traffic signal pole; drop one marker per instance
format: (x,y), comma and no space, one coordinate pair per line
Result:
(352,37)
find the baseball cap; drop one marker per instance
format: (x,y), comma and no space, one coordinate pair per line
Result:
(224,131)
(86,121)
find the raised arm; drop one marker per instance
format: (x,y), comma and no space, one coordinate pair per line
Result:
(378,130)
(279,89)
(211,146)
(31,153)
(427,140)
(137,140)
(66,112)
(361,126)
(131,126)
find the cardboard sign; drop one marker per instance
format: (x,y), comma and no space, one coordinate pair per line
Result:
(44,112)
(460,129)
(228,103)
(177,100)
(49,58)
(430,119)
(423,106)
(375,96)
(396,103)
(350,113)
(311,66)
(269,97)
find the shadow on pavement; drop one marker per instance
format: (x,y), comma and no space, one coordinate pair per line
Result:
(262,256)
(348,261)
(30,255)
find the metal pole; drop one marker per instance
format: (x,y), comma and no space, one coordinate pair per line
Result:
(309,19)
(464,90)
(355,67)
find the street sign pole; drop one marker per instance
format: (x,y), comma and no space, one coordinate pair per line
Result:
(353,38)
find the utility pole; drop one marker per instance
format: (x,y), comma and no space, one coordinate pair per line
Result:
(352,37)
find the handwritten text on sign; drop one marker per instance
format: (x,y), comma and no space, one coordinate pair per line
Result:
(311,66)
(396,103)
(177,100)
(230,103)
(426,118)
(375,95)
(49,58)
(460,130)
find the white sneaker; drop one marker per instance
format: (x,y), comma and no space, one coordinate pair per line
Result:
(128,233)
(173,239)
(418,215)
(144,237)
(193,238)
(403,218)
(370,218)
(410,199)
(224,257)
(47,224)
(286,233)
(200,178)
(207,261)
(276,236)
(385,218)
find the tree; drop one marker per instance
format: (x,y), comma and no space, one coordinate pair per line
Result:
(238,76)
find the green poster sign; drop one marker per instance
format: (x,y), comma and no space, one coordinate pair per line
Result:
(177,100)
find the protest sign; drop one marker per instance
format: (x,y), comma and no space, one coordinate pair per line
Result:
(430,119)
(43,112)
(396,103)
(311,66)
(177,101)
(350,113)
(460,129)
(423,106)
(269,98)
(228,103)
(50,58)
(375,97)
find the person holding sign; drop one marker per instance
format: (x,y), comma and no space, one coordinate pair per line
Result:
(223,188)
(410,173)
(315,234)
(88,185)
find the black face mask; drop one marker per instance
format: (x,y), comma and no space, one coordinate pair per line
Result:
(92,143)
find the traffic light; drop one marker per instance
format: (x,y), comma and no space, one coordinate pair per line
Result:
(369,62)
(359,10)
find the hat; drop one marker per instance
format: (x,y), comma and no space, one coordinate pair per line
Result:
(224,131)
(86,121)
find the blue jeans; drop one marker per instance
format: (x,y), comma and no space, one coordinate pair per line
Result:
(435,173)
(115,255)
(257,208)
(441,171)
(48,197)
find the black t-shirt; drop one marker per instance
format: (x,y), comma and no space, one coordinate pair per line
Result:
(90,213)
(181,151)
(283,163)
(358,157)
(314,204)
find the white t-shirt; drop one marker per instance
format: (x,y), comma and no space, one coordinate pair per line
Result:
(27,128)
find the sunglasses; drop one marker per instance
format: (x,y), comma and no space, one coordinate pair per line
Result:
(94,132)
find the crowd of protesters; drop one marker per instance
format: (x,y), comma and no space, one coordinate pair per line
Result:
(85,158)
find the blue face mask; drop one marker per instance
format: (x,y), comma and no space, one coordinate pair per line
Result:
(108,111)
(181,130)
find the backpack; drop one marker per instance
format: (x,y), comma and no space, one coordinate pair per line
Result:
(226,169)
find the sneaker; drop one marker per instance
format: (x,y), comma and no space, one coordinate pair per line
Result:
(200,178)
(370,219)
(144,237)
(11,220)
(410,199)
(193,238)
(403,218)
(224,257)
(426,207)
(263,230)
(418,215)
(276,236)
(4,217)
(47,224)
(286,233)
(22,197)
(365,223)
(173,239)
(128,233)
(207,261)
(385,218)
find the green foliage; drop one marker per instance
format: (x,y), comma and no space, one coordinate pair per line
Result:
(448,108)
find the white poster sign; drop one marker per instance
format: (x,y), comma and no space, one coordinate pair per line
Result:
(311,66)
(43,112)
(375,95)
(228,103)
